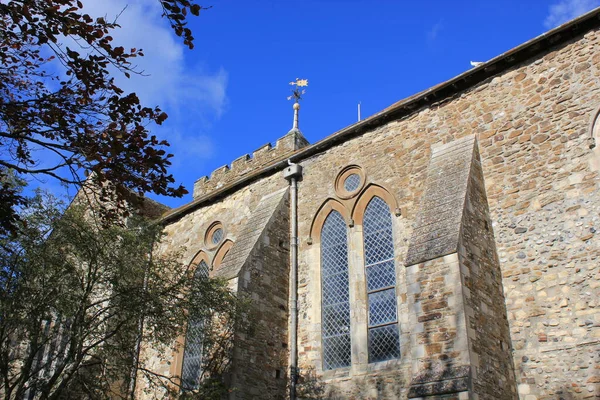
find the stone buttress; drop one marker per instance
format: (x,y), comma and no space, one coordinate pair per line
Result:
(258,266)
(460,341)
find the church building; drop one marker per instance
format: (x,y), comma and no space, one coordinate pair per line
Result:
(443,248)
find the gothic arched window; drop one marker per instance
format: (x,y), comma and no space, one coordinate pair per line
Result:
(335,317)
(192,355)
(381,281)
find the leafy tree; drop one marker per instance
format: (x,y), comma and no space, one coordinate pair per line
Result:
(59,103)
(78,298)
(11,188)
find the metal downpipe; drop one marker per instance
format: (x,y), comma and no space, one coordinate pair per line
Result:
(292,173)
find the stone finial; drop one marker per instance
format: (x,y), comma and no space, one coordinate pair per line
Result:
(296,113)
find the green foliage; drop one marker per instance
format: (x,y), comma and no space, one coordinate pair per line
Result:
(77,298)
(11,197)
(59,102)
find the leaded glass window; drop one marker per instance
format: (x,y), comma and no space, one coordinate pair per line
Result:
(217,236)
(335,293)
(192,355)
(381,282)
(352,182)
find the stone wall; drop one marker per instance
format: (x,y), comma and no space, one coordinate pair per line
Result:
(233,211)
(492,371)
(439,347)
(544,196)
(260,363)
(541,180)
(187,234)
(532,124)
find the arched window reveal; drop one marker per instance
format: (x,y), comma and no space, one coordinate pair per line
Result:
(192,356)
(381,282)
(335,293)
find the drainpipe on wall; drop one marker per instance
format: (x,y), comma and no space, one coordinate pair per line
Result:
(293,173)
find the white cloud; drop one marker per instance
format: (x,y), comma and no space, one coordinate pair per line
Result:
(169,82)
(192,95)
(566,10)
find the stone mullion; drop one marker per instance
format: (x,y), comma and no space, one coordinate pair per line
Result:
(315,356)
(358,300)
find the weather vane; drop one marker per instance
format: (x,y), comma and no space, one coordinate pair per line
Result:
(297,93)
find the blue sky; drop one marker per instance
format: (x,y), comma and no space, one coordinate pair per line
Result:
(227,97)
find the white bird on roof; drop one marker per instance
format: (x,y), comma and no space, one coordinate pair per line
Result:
(476,63)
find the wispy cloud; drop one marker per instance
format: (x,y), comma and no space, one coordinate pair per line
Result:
(565,10)
(168,81)
(433,33)
(194,96)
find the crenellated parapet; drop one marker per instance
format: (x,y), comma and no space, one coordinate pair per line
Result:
(246,164)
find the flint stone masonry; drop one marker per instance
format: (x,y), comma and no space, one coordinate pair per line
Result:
(492,371)
(508,306)
(455,291)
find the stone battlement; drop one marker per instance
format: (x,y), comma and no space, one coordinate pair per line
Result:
(245,164)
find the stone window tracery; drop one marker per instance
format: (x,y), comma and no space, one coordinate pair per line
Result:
(358,218)
(335,310)
(352,182)
(221,252)
(595,128)
(349,182)
(594,137)
(217,236)
(214,235)
(188,357)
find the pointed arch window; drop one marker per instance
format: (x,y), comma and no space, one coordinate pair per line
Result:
(381,281)
(335,317)
(192,356)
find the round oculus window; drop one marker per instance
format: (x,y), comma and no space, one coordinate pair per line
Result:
(217,236)
(352,182)
(349,181)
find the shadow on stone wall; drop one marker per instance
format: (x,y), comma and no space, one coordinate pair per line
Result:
(310,388)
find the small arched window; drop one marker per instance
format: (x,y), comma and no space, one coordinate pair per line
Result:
(335,317)
(381,281)
(192,355)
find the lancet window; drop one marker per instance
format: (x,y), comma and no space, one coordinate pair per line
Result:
(362,220)
(381,282)
(335,292)
(192,357)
